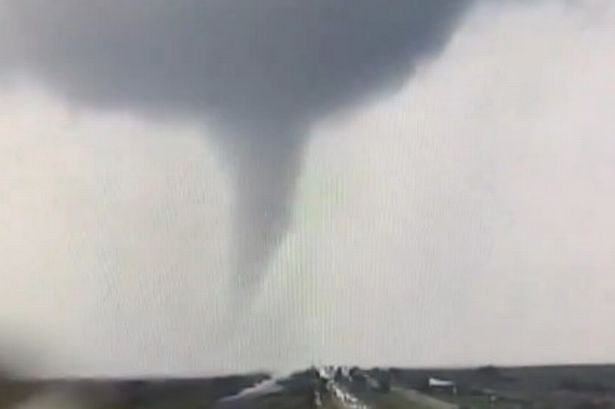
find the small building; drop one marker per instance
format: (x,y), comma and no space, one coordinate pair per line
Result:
(442,385)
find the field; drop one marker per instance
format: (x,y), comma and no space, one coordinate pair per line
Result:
(567,387)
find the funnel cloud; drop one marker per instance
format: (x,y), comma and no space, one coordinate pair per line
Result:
(263,72)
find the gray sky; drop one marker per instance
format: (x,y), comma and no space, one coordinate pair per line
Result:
(464,219)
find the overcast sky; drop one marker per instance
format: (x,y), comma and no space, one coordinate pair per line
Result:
(464,217)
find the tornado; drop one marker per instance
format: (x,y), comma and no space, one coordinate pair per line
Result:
(264,172)
(264,71)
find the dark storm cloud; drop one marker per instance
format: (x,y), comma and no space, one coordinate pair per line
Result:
(263,69)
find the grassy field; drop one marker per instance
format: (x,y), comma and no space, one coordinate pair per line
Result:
(571,387)
(548,387)
(397,400)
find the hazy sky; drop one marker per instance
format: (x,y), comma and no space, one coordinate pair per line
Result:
(464,219)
